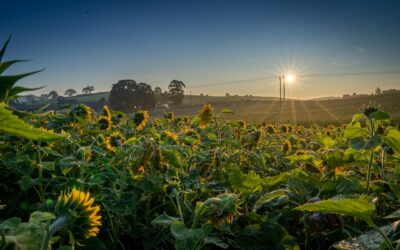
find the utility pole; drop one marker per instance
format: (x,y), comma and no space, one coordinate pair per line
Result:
(284,89)
(280,92)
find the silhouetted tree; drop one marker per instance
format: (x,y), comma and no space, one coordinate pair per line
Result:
(176,92)
(128,96)
(227,95)
(70,92)
(44,97)
(88,89)
(157,91)
(53,94)
(378,91)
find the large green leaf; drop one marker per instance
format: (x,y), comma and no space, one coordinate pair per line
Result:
(186,238)
(354,207)
(11,124)
(3,50)
(4,65)
(353,130)
(7,82)
(380,116)
(17,90)
(393,139)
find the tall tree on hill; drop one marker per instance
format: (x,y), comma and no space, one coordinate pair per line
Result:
(70,92)
(53,95)
(128,96)
(88,89)
(176,92)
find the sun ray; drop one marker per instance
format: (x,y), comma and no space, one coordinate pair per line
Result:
(293,111)
(332,115)
(309,115)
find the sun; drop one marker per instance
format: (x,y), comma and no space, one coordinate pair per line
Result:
(290,78)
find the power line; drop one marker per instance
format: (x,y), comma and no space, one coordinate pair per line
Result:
(342,74)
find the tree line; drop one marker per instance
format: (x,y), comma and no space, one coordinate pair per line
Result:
(128,95)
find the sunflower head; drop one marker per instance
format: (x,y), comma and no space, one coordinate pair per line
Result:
(369,109)
(287,145)
(171,136)
(224,210)
(270,129)
(169,116)
(104,123)
(113,141)
(205,115)
(140,118)
(106,111)
(82,216)
(284,128)
(82,111)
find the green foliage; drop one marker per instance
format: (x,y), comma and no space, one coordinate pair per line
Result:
(358,208)
(11,124)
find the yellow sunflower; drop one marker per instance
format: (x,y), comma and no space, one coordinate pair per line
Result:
(140,118)
(104,123)
(81,218)
(205,115)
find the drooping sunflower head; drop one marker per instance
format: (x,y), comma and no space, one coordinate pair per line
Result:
(224,210)
(140,118)
(106,111)
(369,109)
(270,129)
(83,218)
(287,146)
(169,116)
(284,128)
(82,111)
(104,123)
(205,115)
(242,124)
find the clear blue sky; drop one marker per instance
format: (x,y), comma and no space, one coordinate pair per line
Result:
(82,42)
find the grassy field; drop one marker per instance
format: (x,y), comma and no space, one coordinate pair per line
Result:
(258,109)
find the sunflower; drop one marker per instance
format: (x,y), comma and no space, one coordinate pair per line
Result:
(284,128)
(106,112)
(369,109)
(169,116)
(223,210)
(205,115)
(104,122)
(171,135)
(80,217)
(116,139)
(82,111)
(140,118)
(270,129)
(286,146)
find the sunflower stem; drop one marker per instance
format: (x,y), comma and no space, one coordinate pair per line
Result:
(57,225)
(201,208)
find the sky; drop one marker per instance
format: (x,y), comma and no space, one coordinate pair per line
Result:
(210,43)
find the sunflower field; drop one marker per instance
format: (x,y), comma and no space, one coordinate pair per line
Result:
(75,179)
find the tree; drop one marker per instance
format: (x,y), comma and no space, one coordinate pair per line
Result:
(53,95)
(44,97)
(176,92)
(158,91)
(70,92)
(378,91)
(88,89)
(128,96)
(227,95)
